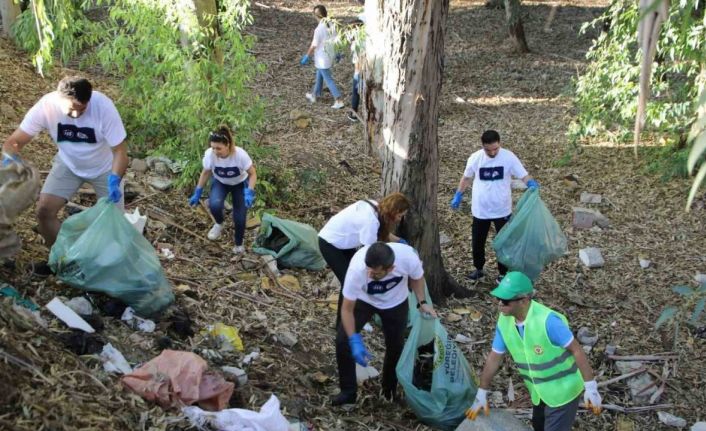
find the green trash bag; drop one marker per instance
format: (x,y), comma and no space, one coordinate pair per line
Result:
(98,250)
(293,244)
(532,239)
(436,377)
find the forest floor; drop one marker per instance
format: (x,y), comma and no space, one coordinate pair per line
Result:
(527,98)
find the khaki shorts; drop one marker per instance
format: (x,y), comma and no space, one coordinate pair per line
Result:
(63,183)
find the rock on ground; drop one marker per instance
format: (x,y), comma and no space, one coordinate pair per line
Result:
(498,420)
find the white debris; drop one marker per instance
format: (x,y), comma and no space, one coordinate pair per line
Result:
(238,373)
(137,220)
(80,305)
(114,361)
(645,263)
(68,316)
(251,357)
(137,322)
(671,420)
(168,254)
(364,373)
(368,327)
(460,338)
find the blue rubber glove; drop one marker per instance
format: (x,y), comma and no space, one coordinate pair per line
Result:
(194,200)
(532,184)
(10,158)
(305,60)
(114,188)
(249,197)
(403,241)
(360,353)
(339,57)
(456,201)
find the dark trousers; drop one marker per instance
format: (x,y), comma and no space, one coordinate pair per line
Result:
(394,323)
(545,418)
(480,230)
(355,94)
(216,202)
(338,260)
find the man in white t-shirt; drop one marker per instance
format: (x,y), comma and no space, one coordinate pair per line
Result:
(87,129)
(491,169)
(322,48)
(378,281)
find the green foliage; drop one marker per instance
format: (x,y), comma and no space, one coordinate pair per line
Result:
(55,26)
(691,308)
(697,136)
(606,94)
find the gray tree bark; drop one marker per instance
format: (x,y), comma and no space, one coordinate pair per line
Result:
(9,11)
(513,15)
(403,74)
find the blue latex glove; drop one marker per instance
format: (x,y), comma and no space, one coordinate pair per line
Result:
(456,201)
(10,158)
(339,57)
(360,353)
(194,200)
(305,60)
(532,184)
(403,241)
(114,188)
(249,197)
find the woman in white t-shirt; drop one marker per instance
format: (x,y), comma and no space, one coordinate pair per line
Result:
(233,172)
(363,223)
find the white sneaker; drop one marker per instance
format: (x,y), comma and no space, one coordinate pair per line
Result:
(239,249)
(215,232)
(310,97)
(337,105)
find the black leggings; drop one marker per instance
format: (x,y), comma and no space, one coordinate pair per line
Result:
(394,324)
(338,260)
(480,230)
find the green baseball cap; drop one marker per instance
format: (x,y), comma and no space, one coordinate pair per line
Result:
(515,284)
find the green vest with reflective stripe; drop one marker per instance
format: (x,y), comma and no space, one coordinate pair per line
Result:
(549,371)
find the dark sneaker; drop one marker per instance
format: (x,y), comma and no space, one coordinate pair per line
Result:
(499,279)
(352,117)
(343,398)
(475,275)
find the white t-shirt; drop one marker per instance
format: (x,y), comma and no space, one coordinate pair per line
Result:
(323,41)
(230,171)
(84,142)
(492,177)
(393,289)
(355,225)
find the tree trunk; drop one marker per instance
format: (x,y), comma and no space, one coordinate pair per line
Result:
(9,11)
(513,15)
(404,64)
(200,21)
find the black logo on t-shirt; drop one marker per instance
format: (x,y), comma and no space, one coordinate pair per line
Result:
(492,174)
(71,133)
(376,287)
(226,172)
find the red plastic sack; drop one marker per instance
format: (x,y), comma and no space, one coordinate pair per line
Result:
(177,379)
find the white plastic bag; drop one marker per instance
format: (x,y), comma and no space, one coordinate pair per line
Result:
(136,220)
(269,418)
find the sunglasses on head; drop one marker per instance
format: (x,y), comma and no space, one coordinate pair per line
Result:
(509,301)
(217,137)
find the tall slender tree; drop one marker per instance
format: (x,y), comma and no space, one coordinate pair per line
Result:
(403,75)
(9,11)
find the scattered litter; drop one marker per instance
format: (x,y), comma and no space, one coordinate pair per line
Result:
(240,374)
(30,315)
(80,305)
(11,292)
(700,278)
(114,361)
(671,420)
(364,373)
(251,357)
(645,263)
(269,418)
(137,322)
(68,316)
(271,263)
(368,327)
(459,99)
(168,254)
(137,220)
(698,426)
(176,378)
(228,337)
(460,338)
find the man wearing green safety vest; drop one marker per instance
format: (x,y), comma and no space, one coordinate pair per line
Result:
(550,360)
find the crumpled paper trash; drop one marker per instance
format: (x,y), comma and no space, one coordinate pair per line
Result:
(269,418)
(176,378)
(19,188)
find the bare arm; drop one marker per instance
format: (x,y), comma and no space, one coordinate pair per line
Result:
(252,177)
(526,178)
(311,49)
(463,184)
(491,367)
(417,287)
(14,143)
(120,160)
(347,318)
(203,178)
(393,238)
(581,360)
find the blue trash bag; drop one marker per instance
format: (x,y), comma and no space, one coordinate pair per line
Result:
(98,250)
(442,402)
(532,239)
